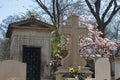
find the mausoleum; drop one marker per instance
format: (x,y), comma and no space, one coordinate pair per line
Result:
(30,43)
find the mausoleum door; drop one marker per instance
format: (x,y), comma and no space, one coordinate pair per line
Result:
(31,56)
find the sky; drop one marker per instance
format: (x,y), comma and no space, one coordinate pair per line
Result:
(13,7)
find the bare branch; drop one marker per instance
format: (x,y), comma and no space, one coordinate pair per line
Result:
(53,6)
(97,6)
(90,7)
(112,14)
(58,7)
(93,12)
(58,12)
(102,23)
(107,9)
(40,3)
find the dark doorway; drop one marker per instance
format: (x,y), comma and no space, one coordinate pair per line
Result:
(32,57)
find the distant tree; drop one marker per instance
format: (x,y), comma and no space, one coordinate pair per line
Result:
(102,18)
(34,13)
(5,50)
(55,9)
(112,32)
(5,43)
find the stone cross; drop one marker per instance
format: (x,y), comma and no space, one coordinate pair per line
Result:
(73,31)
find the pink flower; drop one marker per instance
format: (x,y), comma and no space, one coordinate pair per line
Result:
(90,27)
(94,45)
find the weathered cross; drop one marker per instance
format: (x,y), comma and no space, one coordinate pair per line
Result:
(73,31)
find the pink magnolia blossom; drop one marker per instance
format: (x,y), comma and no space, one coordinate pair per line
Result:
(94,45)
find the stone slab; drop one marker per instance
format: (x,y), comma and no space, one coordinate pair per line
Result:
(102,69)
(12,70)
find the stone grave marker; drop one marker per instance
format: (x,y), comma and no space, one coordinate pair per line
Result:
(102,69)
(117,68)
(72,31)
(12,70)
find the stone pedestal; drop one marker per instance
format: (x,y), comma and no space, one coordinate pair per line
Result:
(62,71)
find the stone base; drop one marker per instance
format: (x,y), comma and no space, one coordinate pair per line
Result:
(62,71)
(70,79)
(88,78)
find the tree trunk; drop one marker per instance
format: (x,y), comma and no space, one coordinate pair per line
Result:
(101,28)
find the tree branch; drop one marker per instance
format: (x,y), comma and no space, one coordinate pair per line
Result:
(97,6)
(93,12)
(90,7)
(58,12)
(112,14)
(107,9)
(40,3)
(54,13)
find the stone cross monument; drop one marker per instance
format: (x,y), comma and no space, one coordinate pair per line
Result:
(73,31)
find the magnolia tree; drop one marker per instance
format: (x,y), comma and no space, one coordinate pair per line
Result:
(94,46)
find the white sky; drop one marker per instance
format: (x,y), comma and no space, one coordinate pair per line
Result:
(12,7)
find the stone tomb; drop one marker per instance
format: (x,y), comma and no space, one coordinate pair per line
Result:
(30,43)
(12,70)
(102,69)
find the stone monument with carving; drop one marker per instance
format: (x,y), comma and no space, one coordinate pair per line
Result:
(73,31)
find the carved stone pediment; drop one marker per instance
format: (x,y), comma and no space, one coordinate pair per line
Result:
(31,23)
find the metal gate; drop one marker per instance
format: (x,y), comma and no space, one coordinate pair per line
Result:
(32,57)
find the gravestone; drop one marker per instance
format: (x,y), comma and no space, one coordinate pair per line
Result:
(117,68)
(73,31)
(12,70)
(30,43)
(102,69)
